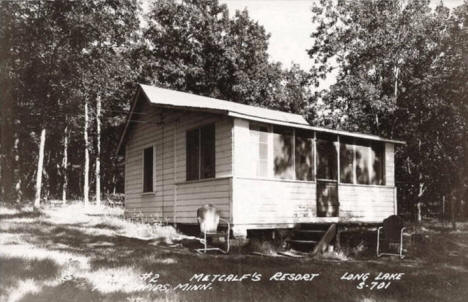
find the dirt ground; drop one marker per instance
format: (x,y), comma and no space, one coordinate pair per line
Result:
(76,254)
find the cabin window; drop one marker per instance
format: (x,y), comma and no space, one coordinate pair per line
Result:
(304,155)
(289,153)
(346,161)
(327,157)
(362,163)
(200,153)
(377,153)
(259,143)
(148,169)
(283,152)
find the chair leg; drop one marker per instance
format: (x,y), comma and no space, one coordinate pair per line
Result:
(205,242)
(227,238)
(378,242)
(401,243)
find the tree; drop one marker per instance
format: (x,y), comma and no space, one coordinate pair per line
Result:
(194,46)
(391,70)
(48,47)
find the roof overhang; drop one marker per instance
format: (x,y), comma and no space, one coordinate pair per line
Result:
(202,104)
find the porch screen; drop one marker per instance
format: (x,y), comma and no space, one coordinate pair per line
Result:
(327,157)
(200,153)
(362,162)
(346,161)
(304,155)
(283,145)
(376,166)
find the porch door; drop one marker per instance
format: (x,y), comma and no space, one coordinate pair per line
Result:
(327,177)
(327,198)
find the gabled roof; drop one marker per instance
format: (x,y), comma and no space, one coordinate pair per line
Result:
(168,98)
(176,99)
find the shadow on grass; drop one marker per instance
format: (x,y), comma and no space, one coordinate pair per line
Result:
(177,263)
(29,214)
(14,269)
(102,250)
(74,290)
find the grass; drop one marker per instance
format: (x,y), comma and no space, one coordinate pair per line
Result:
(76,254)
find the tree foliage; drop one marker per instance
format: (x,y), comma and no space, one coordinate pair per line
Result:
(400,74)
(57,56)
(195,46)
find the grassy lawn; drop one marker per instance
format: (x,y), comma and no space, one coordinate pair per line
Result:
(73,254)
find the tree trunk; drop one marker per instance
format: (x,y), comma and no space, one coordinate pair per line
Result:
(464,104)
(419,207)
(98,155)
(453,201)
(86,154)
(396,72)
(7,143)
(65,165)
(40,165)
(114,185)
(421,187)
(19,193)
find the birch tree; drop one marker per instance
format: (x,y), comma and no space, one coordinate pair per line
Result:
(40,167)
(98,151)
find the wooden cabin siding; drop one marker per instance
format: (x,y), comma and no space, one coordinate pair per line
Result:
(174,199)
(389,164)
(268,201)
(193,195)
(366,202)
(242,165)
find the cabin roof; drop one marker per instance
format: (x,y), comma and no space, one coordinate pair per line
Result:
(181,100)
(176,99)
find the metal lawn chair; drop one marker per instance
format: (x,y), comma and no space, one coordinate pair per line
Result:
(390,237)
(208,220)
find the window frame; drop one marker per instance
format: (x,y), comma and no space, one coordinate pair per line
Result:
(311,139)
(199,169)
(370,145)
(153,181)
(269,146)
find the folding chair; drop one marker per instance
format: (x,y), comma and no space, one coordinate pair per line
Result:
(208,220)
(390,237)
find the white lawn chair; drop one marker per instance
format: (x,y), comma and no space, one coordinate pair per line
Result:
(208,220)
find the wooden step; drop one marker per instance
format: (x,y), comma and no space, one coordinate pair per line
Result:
(310,231)
(299,241)
(314,226)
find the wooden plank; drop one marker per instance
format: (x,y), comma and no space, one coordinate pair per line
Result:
(323,244)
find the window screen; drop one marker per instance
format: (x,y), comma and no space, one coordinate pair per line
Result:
(283,161)
(148,167)
(376,166)
(304,155)
(327,158)
(200,153)
(346,161)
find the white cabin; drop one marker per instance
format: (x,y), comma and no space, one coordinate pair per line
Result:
(263,169)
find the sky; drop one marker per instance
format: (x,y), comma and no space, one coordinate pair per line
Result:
(290,26)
